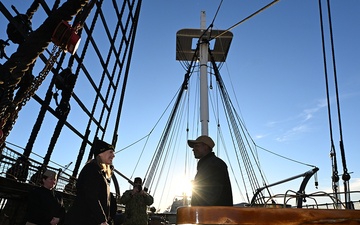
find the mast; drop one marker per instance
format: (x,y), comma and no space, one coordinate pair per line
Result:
(204,102)
(184,52)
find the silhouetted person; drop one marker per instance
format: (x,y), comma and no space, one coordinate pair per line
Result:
(211,186)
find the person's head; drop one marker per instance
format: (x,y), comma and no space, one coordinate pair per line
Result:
(138,180)
(152,209)
(138,183)
(103,151)
(49,179)
(202,146)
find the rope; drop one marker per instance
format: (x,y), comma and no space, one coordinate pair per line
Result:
(56,5)
(335,174)
(346,175)
(32,9)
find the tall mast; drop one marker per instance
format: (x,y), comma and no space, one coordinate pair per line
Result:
(204,102)
(185,52)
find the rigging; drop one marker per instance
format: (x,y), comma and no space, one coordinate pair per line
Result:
(335,176)
(248,17)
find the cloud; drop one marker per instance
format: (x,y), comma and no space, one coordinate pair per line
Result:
(260,136)
(293,132)
(307,114)
(301,122)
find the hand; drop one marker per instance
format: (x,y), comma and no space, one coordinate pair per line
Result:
(134,191)
(104,223)
(54,221)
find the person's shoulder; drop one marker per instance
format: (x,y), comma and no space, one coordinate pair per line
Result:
(218,161)
(36,190)
(90,165)
(89,168)
(127,192)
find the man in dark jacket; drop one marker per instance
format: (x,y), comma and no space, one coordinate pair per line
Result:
(211,186)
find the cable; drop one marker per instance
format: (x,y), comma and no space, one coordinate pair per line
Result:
(252,15)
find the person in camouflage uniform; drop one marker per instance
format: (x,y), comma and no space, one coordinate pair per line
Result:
(136,202)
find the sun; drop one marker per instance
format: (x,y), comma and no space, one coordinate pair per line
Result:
(184,186)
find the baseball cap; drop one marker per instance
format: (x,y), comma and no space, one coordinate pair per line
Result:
(202,139)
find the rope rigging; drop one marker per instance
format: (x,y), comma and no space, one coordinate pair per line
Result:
(335,176)
(159,151)
(66,38)
(240,139)
(21,62)
(120,49)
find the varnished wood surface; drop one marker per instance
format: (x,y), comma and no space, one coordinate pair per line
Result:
(280,216)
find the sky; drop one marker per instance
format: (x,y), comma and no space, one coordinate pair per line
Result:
(274,70)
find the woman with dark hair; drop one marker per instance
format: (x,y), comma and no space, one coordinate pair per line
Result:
(45,206)
(93,197)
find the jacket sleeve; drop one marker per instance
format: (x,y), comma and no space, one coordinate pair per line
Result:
(149,199)
(125,198)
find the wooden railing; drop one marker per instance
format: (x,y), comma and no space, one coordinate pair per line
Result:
(212,215)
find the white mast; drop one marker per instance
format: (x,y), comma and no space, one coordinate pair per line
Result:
(204,102)
(185,52)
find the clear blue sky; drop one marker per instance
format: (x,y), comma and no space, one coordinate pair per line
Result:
(276,70)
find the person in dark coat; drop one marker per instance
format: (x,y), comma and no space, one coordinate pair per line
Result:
(211,186)
(45,206)
(136,202)
(93,197)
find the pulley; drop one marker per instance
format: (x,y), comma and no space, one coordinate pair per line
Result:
(66,37)
(19,31)
(63,108)
(65,79)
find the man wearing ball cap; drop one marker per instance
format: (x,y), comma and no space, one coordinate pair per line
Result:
(211,186)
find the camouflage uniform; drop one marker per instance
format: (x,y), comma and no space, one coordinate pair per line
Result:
(136,207)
